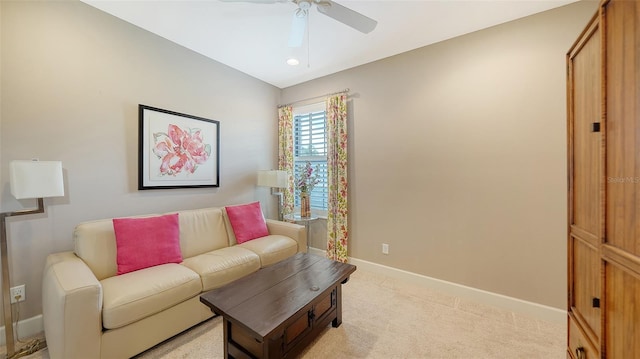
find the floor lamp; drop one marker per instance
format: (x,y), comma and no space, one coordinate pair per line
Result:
(276,180)
(28,179)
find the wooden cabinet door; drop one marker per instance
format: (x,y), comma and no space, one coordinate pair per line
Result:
(621,250)
(585,180)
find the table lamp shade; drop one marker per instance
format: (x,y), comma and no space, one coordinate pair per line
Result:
(36,179)
(273,178)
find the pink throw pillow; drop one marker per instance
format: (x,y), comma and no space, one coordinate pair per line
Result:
(247,221)
(147,242)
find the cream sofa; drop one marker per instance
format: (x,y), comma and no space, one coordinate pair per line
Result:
(91,312)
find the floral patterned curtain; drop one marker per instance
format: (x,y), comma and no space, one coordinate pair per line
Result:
(337,214)
(285,153)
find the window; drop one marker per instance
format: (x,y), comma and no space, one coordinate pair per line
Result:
(310,144)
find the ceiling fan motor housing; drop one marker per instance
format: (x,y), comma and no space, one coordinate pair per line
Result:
(303,8)
(304,4)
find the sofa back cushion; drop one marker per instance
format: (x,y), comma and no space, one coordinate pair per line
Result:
(95,244)
(201,231)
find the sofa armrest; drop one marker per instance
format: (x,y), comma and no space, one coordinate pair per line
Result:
(71,307)
(295,231)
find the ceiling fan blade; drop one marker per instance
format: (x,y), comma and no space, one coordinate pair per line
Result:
(348,17)
(298,25)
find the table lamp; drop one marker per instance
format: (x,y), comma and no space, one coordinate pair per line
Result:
(28,179)
(276,180)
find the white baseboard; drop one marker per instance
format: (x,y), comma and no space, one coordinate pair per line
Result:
(25,328)
(542,312)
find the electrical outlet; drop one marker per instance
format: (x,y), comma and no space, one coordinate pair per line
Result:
(385,248)
(18,294)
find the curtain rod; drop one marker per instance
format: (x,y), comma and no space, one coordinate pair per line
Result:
(313,98)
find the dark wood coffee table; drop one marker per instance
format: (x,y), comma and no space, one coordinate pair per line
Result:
(277,311)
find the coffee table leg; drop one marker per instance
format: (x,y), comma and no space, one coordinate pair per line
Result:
(338,320)
(225,331)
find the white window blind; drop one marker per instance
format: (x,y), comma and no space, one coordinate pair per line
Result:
(310,145)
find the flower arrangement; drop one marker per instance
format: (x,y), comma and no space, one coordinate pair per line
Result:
(307,178)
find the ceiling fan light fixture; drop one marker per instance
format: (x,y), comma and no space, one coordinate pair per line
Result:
(292,61)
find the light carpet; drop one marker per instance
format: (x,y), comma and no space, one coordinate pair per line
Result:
(386,318)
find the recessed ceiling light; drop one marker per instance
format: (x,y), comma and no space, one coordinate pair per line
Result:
(293,62)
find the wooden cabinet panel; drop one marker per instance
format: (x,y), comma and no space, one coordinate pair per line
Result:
(622,312)
(622,37)
(579,346)
(324,306)
(298,328)
(586,286)
(244,339)
(585,138)
(310,318)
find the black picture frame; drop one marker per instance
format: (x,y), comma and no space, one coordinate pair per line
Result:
(176,150)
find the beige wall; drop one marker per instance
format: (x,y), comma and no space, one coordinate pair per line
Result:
(458,156)
(72,79)
(457,149)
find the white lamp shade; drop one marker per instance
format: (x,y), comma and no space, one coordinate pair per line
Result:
(36,179)
(273,178)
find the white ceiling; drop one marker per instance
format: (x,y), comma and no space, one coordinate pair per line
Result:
(252,38)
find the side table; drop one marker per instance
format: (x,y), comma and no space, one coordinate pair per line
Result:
(297,219)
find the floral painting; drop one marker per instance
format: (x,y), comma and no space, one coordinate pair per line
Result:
(180,150)
(177,150)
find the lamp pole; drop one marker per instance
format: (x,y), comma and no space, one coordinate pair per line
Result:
(276,192)
(6,284)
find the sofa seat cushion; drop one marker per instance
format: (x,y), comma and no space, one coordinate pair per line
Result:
(222,266)
(136,295)
(272,249)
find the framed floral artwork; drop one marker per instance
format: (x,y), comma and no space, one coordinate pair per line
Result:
(177,150)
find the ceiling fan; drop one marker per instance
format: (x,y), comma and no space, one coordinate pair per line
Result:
(330,8)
